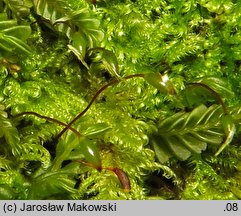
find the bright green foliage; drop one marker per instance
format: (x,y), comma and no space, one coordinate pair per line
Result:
(77,25)
(106,61)
(76,148)
(162,83)
(9,132)
(166,110)
(186,133)
(12,37)
(230,130)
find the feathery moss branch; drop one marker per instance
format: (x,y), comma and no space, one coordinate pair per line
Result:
(50,120)
(113,82)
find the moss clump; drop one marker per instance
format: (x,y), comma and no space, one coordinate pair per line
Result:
(159,85)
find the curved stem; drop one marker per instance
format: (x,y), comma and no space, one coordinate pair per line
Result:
(122,176)
(112,82)
(50,120)
(214,93)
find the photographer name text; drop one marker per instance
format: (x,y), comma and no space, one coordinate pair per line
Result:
(50,207)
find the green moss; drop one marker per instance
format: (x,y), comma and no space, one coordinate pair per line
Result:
(185,62)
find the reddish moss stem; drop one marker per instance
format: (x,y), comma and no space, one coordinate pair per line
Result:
(111,83)
(50,120)
(122,176)
(214,93)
